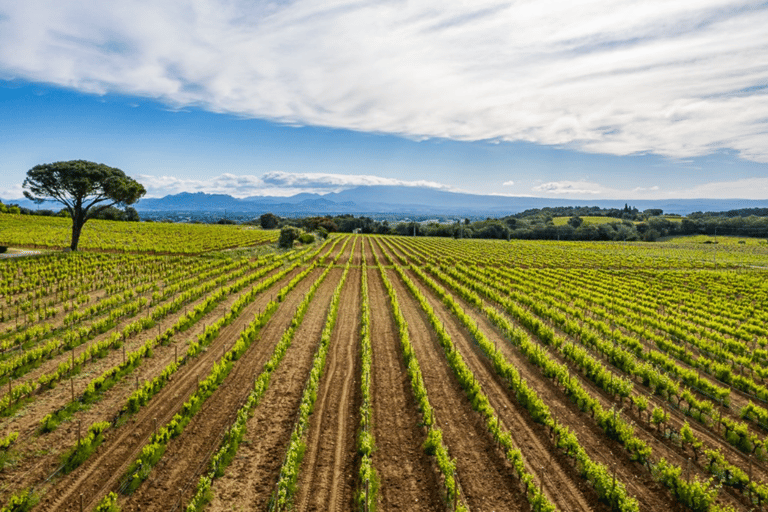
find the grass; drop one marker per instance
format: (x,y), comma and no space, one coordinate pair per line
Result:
(562,221)
(720,240)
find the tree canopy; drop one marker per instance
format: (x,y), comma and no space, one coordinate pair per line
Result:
(84,188)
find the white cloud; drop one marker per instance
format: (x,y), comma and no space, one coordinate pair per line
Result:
(570,188)
(12,192)
(675,78)
(276,183)
(508,183)
(750,188)
(336,182)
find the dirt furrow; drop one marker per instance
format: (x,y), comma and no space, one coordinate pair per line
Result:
(660,441)
(557,476)
(187,455)
(42,452)
(251,477)
(328,474)
(408,479)
(121,447)
(640,483)
(487,479)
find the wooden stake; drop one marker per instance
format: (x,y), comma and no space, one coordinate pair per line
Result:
(81,502)
(176,353)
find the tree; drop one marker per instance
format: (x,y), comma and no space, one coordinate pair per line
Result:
(269,221)
(287,235)
(575,221)
(84,188)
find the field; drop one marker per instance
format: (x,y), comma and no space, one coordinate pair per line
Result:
(587,219)
(388,373)
(162,238)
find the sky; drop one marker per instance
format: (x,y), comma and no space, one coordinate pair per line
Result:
(584,99)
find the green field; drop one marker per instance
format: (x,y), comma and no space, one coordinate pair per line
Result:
(30,231)
(562,221)
(405,366)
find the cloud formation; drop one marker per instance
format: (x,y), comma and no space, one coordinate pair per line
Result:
(275,183)
(673,78)
(750,188)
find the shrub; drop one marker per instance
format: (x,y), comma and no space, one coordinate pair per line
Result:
(3,249)
(306,238)
(287,235)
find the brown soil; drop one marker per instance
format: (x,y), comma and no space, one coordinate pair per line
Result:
(638,480)
(487,479)
(41,453)
(329,470)
(102,471)
(187,456)
(561,482)
(250,480)
(408,477)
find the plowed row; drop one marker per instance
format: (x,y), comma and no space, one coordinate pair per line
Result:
(407,477)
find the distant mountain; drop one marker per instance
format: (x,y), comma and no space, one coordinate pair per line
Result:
(403,200)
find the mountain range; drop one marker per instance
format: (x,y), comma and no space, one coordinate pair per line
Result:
(405,200)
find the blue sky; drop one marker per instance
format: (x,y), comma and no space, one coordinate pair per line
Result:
(588,100)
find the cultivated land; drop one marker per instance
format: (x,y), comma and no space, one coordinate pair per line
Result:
(393,373)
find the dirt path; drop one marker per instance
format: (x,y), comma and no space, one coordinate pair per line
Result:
(188,455)
(640,483)
(102,472)
(557,476)
(250,480)
(41,453)
(328,476)
(92,367)
(408,480)
(711,439)
(486,478)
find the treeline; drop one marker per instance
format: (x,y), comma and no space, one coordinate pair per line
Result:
(626,213)
(110,213)
(630,225)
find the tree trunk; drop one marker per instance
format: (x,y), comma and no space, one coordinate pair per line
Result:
(77,226)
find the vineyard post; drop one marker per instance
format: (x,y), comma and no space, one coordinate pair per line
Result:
(73,358)
(10,382)
(176,353)
(81,502)
(137,382)
(123,353)
(154,421)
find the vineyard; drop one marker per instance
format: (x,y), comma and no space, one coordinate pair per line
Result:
(381,373)
(129,237)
